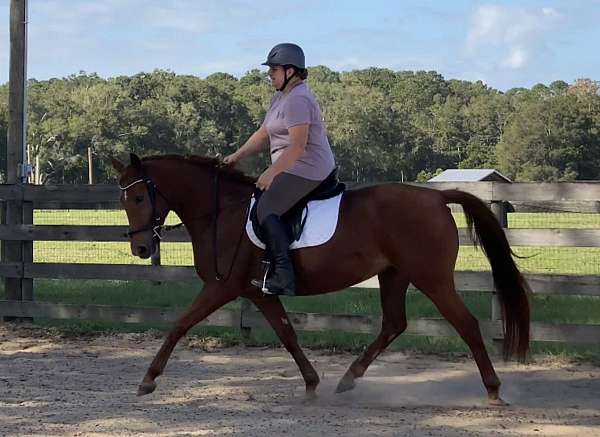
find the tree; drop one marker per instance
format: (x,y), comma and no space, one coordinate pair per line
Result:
(485,120)
(321,75)
(418,91)
(559,87)
(365,133)
(549,140)
(383,125)
(381,78)
(582,87)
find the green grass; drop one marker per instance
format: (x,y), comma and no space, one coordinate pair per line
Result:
(356,301)
(548,260)
(86,217)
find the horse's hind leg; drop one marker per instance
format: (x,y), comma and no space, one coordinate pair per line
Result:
(450,305)
(393,286)
(274,312)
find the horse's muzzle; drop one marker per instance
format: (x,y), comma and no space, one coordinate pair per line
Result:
(143,251)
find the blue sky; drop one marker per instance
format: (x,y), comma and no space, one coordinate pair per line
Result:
(503,43)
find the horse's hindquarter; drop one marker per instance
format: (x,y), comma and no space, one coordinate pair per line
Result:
(380,226)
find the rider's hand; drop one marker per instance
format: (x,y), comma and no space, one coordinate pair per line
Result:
(231,159)
(265,180)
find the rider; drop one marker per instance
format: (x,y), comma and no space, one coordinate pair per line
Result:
(300,154)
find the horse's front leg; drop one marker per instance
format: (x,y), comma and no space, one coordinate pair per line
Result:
(211,299)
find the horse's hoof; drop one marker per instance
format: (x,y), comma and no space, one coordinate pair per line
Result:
(498,402)
(345,384)
(311,395)
(146,388)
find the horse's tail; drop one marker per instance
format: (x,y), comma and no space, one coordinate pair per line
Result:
(511,286)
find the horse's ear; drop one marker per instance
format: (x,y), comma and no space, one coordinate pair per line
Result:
(117,165)
(135,160)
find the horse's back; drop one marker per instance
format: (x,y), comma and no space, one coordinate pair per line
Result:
(408,221)
(403,201)
(381,226)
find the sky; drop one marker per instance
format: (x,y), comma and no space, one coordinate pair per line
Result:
(505,44)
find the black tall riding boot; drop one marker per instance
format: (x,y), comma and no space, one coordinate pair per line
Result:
(283,280)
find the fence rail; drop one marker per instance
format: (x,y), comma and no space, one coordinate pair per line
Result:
(19,269)
(516,237)
(250,318)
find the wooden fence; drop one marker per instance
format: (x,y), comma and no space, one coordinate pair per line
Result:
(18,268)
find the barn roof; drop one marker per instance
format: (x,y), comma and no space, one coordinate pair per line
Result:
(470,175)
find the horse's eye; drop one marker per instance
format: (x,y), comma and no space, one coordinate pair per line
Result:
(139,199)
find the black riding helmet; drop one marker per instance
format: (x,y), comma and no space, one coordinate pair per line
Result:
(286,54)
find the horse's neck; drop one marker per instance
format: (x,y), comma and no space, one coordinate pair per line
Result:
(192,198)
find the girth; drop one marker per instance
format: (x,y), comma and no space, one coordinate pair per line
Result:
(293,219)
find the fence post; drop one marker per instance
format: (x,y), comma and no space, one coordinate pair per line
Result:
(13,252)
(3,221)
(27,284)
(17,134)
(245,308)
(500,210)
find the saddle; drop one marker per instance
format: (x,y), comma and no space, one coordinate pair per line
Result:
(295,218)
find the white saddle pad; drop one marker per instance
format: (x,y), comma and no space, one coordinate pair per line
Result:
(321,221)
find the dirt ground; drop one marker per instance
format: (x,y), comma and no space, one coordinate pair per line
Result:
(51,385)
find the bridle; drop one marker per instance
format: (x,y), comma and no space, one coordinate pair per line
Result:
(154,224)
(156,227)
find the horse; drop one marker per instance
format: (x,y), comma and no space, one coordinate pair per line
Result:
(401,233)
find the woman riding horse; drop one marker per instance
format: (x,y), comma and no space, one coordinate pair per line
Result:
(400,233)
(300,153)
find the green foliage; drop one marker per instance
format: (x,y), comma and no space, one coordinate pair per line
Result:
(322,74)
(382,124)
(552,138)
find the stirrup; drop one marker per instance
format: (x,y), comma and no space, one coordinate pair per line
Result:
(266,267)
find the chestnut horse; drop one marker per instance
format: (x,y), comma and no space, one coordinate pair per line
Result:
(401,233)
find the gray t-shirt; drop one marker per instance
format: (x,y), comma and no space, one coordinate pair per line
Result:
(298,107)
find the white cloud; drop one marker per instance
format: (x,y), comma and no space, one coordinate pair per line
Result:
(511,34)
(516,59)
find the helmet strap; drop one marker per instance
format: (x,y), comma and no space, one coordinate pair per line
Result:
(287,79)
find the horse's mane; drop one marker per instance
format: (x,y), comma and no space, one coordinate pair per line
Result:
(206,161)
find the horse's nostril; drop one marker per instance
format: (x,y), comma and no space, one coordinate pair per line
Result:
(142,250)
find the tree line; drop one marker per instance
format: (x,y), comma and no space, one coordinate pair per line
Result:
(383,125)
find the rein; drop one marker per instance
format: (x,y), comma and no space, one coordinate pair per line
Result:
(156,227)
(216,210)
